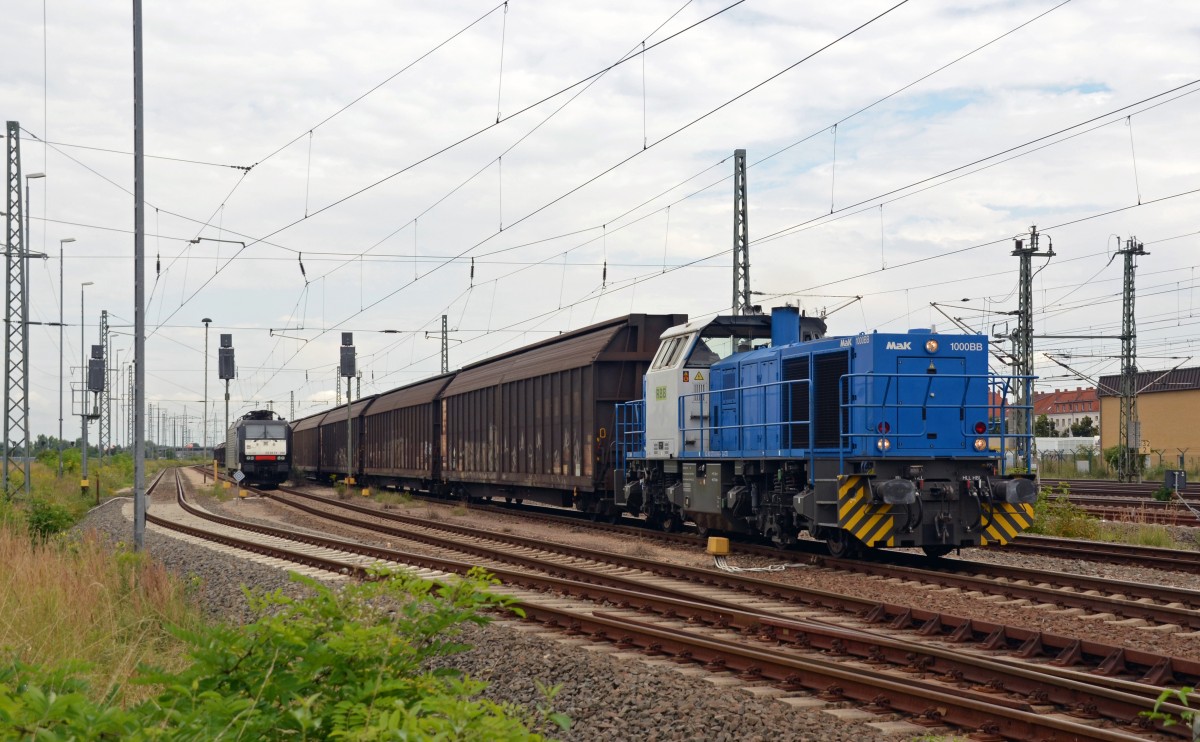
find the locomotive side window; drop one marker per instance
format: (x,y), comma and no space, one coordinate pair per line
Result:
(702,355)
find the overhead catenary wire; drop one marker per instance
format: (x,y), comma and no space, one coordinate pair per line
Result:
(865,108)
(500,76)
(379,85)
(614,225)
(608,170)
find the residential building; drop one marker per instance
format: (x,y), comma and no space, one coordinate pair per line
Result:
(1066,407)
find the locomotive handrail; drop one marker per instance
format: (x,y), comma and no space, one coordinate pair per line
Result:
(629,432)
(783,425)
(1002,382)
(711,400)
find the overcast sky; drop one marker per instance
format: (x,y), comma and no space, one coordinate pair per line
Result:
(895,153)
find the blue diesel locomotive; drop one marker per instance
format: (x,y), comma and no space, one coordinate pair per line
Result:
(760,425)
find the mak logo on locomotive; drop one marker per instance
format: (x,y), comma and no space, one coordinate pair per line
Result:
(906,345)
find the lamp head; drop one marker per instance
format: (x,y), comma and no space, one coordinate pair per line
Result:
(31,176)
(206,320)
(86,283)
(66,240)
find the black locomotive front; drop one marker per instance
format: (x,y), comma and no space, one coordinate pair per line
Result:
(260,446)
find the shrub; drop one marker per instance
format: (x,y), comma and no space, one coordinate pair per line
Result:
(1054,515)
(339,665)
(45,519)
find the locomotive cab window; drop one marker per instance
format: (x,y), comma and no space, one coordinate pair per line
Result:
(259,431)
(668,354)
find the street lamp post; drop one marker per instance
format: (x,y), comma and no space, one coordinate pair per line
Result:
(83,416)
(61,291)
(207,450)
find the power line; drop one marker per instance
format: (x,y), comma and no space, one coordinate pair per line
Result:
(572,190)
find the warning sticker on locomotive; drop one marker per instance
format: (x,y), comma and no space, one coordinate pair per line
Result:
(660,392)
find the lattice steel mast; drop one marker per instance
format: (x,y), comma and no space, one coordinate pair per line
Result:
(1129,433)
(741,236)
(1022,340)
(445,347)
(104,438)
(16,327)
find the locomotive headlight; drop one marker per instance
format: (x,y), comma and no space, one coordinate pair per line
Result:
(883,444)
(931,346)
(980,444)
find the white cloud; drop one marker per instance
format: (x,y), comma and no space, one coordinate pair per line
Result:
(229,83)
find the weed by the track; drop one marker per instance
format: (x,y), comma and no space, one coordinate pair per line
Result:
(1055,515)
(640,550)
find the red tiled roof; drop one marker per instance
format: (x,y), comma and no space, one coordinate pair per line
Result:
(1065,400)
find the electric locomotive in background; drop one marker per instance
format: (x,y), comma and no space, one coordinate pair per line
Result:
(763,426)
(259,445)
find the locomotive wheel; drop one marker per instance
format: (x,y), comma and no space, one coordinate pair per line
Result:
(933,551)
(672,524)
(842,545)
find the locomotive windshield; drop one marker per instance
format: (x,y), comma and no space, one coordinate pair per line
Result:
(264,431)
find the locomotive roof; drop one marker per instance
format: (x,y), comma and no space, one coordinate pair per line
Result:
(727,325)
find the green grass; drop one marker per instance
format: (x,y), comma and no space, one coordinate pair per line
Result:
(1054,515)
(389,500)
(65,601)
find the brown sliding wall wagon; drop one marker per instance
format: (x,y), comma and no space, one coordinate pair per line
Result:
(534,423)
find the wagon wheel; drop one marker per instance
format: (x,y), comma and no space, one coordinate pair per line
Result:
(842,545)
(934,551)
(672,523)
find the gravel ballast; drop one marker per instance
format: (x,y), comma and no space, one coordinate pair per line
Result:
(608,696)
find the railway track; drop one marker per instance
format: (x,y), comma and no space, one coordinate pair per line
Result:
(704,616)
(1177,560)
(1097,551)
(1175,609)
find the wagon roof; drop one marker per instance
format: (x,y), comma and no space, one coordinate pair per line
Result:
(421,392)
(570,350)
(312,421)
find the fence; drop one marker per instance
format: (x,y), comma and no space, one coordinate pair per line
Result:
(1090,464)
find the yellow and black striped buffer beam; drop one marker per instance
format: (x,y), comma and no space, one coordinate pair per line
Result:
(1002,521)
(871,523)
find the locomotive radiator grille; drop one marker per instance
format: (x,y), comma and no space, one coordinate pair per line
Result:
(873,524)
(1004,521)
